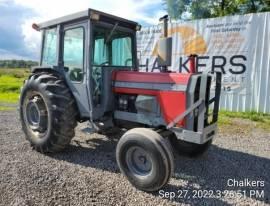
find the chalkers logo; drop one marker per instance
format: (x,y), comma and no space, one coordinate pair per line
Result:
(192,41)
(187,41)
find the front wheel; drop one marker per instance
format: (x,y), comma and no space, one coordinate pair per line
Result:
(145,158)
(48,112)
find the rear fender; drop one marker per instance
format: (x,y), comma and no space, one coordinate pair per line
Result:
(50,69)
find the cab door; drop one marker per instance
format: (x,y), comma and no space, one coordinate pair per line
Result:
(112,49)
(74,51)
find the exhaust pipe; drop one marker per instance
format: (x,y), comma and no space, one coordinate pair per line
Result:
(165,20)
(193,63)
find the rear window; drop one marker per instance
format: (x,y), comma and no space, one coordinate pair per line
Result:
(49,47)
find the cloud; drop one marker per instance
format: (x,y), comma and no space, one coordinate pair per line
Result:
(144,11)
(130,9)
(11,37)
(5,54)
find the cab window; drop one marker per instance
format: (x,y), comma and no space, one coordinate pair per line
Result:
(49,47)
(112,48)
(74,53)
(121,52)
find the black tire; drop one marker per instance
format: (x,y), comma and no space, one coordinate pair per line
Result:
(52,127)
(157,158)
(189,149)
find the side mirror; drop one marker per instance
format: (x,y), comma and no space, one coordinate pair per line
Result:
(164,50)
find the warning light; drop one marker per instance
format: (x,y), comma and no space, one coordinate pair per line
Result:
(35,26)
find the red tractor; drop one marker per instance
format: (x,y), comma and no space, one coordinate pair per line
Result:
(89,72)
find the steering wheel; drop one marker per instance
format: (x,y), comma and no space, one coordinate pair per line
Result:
(104,63)
(128,60)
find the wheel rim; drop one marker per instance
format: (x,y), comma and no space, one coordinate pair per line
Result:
(36,114)
(138,161)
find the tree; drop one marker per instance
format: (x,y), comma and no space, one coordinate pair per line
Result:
(197,9)
(200,9)
(176,8)
(17,64)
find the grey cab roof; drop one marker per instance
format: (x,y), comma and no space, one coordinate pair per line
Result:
(86,14)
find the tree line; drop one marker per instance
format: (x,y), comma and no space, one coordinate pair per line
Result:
(199,9)
(17,63)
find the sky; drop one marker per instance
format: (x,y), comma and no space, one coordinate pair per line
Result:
(19,41)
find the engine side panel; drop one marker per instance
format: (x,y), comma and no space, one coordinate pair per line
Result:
(168,88)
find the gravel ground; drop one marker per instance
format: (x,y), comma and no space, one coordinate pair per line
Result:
(87,174)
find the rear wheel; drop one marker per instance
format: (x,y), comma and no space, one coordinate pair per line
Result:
(188,148)
(145,158)
(48,112)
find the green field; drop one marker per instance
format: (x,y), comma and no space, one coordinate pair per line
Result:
(11,81)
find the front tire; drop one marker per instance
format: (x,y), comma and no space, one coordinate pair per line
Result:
(47,112)
(145,158)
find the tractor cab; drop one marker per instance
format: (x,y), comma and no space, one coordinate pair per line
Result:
(86,47)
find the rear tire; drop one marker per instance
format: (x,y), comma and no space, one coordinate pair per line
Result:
(48,112)
(189,149)
(145,158)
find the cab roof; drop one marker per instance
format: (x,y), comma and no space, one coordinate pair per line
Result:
(92,14)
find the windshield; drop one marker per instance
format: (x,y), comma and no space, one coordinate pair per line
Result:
(112,48)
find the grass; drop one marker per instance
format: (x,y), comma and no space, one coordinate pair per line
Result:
(2,108)
(17,73)
(261,120)
(9,97)
(11,81)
